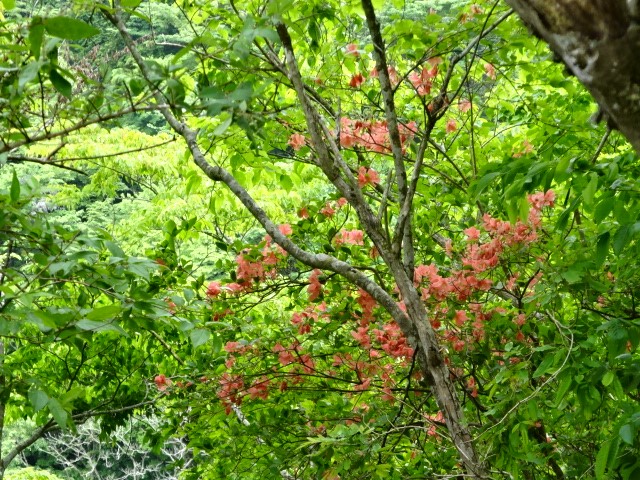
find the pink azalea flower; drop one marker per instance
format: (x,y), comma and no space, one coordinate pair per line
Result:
(297,141)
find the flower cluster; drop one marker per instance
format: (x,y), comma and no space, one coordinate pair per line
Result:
(349,237)
(422,81)
(372,135)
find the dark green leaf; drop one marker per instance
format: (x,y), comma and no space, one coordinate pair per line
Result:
(603,209)
(544,366)
(115,250)
(602,248)
(478,187)
(627,433)
(216,344)
(564,387)
(15,188)
(621,238)
(60,83)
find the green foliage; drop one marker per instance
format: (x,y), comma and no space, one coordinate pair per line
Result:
(283,368)
(30,474)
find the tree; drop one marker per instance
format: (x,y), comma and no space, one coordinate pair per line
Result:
(64,296)
(596,41)
(414,145)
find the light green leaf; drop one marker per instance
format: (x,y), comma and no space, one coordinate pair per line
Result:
(91,325)
(59,414)
(104,313)
(572,275)
(69,28)
(601,460)
(28,73)
(199,336)
(608,378)
(38,399)
(220,129)
(590,190)
(286,183)
(36,32)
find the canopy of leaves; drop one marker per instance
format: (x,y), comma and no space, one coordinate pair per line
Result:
(450,222)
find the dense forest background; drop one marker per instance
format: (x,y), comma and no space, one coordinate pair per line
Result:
(309,240)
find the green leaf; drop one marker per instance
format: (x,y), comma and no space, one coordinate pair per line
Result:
(9,4)
(170,228)
(59,414)
(28,73)
(220,129)
(603,209)
(115,250)
(199,336)
(544,366)
(601,460)
(621,238)
(60,83)
(286,183)
(176,91)
(94,326)
(38,399)
(572,275)
(130,3)
(478,187)
(103,313)
(602,248)
(627,433)
(69,28)
(243,92)
(564,387)
(590,190)
(15,188)
(608,378)
(216,345)
(36,32)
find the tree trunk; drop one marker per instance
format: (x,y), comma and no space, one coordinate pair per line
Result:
(599,41)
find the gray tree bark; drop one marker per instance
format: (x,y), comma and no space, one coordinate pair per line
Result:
(599,41)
